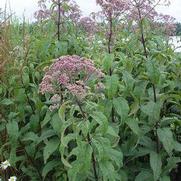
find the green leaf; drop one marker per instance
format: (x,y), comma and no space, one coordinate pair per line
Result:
(46,119)
(134,108)
(128,79)
(121,106)
(106,107)
(26,79)
(6,102)
(111,131)
(166,137)
(82,165)
(107,62)
(144,175)
(133,125)
(56,123)
(49,167)
(34,122)
(61,111)
(108,171)
(165,178)
(12,156)
(153,71)
(156,165)
(116,156)
(30,136)
(64,143)
(152,109)
(50,148)
(139,89)
(177,146)
(112,83)
(101,119)
(171,164)
(47,134)
(13,131)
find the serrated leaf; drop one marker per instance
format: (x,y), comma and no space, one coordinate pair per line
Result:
(101,119)
(144,176)
(82,165)
(152,109)
(165,178)
(61,111)
(13,131)
(65,162)
(134,108)
(112,132)
(171,164)
(107,62)
(166,137)
(50,148)
(25,79)
(177,146)
(133,125)
(30,136)
(112,83)
(6,102)
(108,171)
(128,79)
(153,71)
(121,106)
(46,119)
(56,123)
(49,167)
(156,165)
(47,134)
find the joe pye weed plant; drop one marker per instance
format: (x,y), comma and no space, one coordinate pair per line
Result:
(84,106)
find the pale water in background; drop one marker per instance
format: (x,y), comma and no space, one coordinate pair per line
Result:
(175,41)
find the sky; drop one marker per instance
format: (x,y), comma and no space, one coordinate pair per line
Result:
(28,7)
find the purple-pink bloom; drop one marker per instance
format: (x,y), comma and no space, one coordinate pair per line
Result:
(70,73)
(88,24)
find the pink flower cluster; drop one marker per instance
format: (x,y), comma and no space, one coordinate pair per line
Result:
(146,10)
(88,24)
(69,73)
(68,9)
(43,13)
(136,9)
(113,8)
(167,24)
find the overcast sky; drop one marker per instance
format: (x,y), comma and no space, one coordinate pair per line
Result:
(28,7)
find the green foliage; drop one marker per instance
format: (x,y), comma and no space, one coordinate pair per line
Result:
(178,29)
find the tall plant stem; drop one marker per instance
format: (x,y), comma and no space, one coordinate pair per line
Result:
(146,55)
(27,97)
(31,160)
(142,32)
(90,143)
(109,51)
(157,123)
(59,19)
(110,33)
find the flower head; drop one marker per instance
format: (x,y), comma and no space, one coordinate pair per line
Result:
(14,178)
(4,165)
(88,24)
(70,73)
